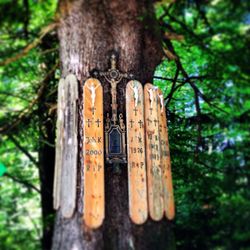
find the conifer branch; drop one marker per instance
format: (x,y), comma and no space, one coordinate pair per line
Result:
(30,46)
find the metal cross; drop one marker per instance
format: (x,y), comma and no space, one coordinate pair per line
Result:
(114,76)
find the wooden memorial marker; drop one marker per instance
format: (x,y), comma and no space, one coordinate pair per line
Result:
(93,153)
(59,143)
(69,147)
(137,184)
(165,160)
(154,172)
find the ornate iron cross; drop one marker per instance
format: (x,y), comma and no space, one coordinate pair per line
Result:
(115,130)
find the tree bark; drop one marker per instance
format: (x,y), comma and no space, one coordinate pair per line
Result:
(88,32)
(46,171)
(46,150)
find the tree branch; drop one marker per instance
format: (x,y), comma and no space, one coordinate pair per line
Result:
(27,111)
(196,90)
(29,47)
(184,80)
(199,39)
(21,148)
(203,16)
(192,84)
(198,111)
(188,78)
(167,79)
(209,167)
(170,95)
(13,95)
(183,25)
(26,18)
(23,182)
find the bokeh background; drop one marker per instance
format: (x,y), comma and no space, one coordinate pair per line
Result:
(205,79)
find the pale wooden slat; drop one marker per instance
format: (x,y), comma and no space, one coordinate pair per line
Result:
(168,195)
(137,184)
(154,179)
(69,160)
(59,143)
(93,153)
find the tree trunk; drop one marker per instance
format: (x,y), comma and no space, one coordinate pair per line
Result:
(46,160)
(88,32)
(46,151)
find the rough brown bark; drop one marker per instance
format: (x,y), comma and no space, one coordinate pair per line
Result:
(88,32)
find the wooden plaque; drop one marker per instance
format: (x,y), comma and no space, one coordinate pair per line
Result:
(154,172)
(165,160)
(70,146)
(137,184)
(59,144)
(93,153)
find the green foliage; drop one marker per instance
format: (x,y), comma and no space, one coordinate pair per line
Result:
(210,149)
(20,202)
(2,169)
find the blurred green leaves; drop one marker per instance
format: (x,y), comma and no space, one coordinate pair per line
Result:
(209,151)
(21,22)
(2,169)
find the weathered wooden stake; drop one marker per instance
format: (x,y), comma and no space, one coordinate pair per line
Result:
(93,153)
(59,143)
(165,160)
(137,183)
(70,145)
(154,172)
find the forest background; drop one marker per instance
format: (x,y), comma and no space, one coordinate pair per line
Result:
(205,79)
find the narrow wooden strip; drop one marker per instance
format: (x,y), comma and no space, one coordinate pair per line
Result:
(168,195)
(93,152)
(154,175)
(59,145)
(137,184)
(69,166)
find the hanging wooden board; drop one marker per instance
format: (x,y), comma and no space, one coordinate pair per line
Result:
(137,184)
(93,153)
(59,144)
(154,175)
(165,160)
(70,146)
